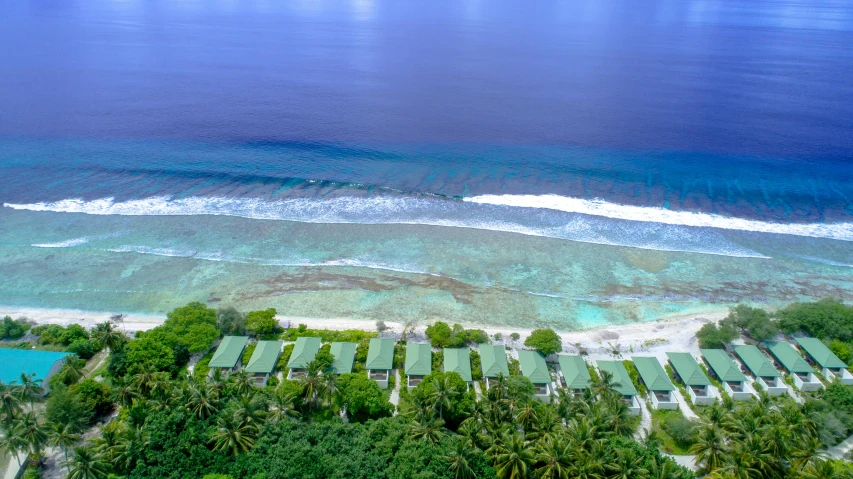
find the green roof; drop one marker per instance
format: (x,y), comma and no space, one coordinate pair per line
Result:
(264,357)
(533,366)
(789,357)
(575,371)
(418,359)
(228,352)
(820,353)
(624,386)
(304,351)
(756,361)
(688,369)
(380,355)
(723,366)
(493,360)
(344,354)
(653,374)
(458,360)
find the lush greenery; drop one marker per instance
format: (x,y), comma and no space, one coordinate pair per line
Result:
(328,336)
(443,336)
(546,341)
(755,323)
(13,329)
(262,322)
(711,336)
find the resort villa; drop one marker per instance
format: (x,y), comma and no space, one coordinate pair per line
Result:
(533,367)
(622,383)
(830,365)
(724,368)
(263,361)
(304,351)
(418,363)
(493,361)
(766,376)
(458,360)
(344,354)
(44,364)
(574,373)
(687,370)
(655,379)
(797,367)
(227,356)
(380,360)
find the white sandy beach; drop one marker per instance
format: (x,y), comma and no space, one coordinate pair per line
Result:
(676,333)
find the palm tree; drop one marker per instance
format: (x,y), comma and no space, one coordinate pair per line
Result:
(587,466)
(109,440)
(12,444)
(605,386)
(251,410)
(10,403)
(442,395)
(86,465)
(470,430)
(33,433)
(513,456)
(29,389)
(131,442)
(824,469)
(458,460)
(710,449)
(232,436)
(429,430)
(72,370)
(555,453)
(108,336)
(525,416)
(284,406)
(201,402)
(123,392)
(312,382)
(330,392)
(242,382)
(627,464)
(63,437)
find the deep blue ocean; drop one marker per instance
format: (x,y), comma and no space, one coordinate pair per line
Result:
(564,163)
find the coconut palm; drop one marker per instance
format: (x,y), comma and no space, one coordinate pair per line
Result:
(605,386)
(202,403)
(107,442)
(242,382)
(330,392)
(824,469)
(458,460)
(312,383)
(29,389)
(513,456)
(525,416)
(63,437)
(131,442)
(33,433)
(626,465)
(232,436)
(710,449)
(12,444)
(251,410)
(284,406)
(72,370)
(108,336)
(85,464)
(442,395)
(429,430)
(586,466)
(555,453)
(123,392)
(470,430)
(10,402)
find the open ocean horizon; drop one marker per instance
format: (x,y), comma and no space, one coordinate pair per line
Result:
(563,165)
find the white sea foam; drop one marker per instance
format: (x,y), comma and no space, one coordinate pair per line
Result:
(838,231)
(591,224)
(64,244)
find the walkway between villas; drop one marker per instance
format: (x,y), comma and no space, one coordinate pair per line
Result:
(842,449)
(395,393)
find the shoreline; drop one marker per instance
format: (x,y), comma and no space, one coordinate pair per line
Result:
(672,333)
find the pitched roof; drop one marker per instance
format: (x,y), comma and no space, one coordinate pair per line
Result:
(228,352)
(533,366)
(820,353)
(756,361)
(458,360)
(574,371)
(688,369)
(380,354)
(653,374)
(723,366)
(418,359)
(13,362)
(344,354)
(304,351)
(493,360)
(264,357)
(624,385)
(789,357)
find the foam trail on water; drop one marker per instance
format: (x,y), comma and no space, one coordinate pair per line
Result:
(597,207)
(544,222)
(64,244)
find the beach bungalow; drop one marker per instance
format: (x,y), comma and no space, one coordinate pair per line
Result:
(724,368)
(44,364)
(304,351)
(263,361)
(227,355)
(418,363)
(831,366)
(622,383)
(798,368)
(458,360)
(380,360)
(655,379)
(344,354)
(573,373)
(533,367)
(687,370)
(766,376)
(493,361)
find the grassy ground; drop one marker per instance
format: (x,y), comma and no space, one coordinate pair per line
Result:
(668,444)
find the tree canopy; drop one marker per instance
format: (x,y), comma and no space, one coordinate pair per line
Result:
(546,341)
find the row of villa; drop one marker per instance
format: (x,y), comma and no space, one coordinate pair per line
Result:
(573,372)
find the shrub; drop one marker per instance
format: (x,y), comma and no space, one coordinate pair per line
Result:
(753,322)
(825,319)
(202,368)
(681,430)
(230,321)
(284,358)
(363,398)
(12,330)
(711,337)
(443,336)
(262,322)
(247,353)
(546,341)
(514,336)
(84,348)
(95,395)
(476,365)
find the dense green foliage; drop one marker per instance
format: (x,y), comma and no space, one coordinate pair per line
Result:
(327,335)
(13,329)
(755,323)
(262,322)
(58,335)
(826,319)
(546,341)
(230,321)
(441,335)
(193,325)
(711,336)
